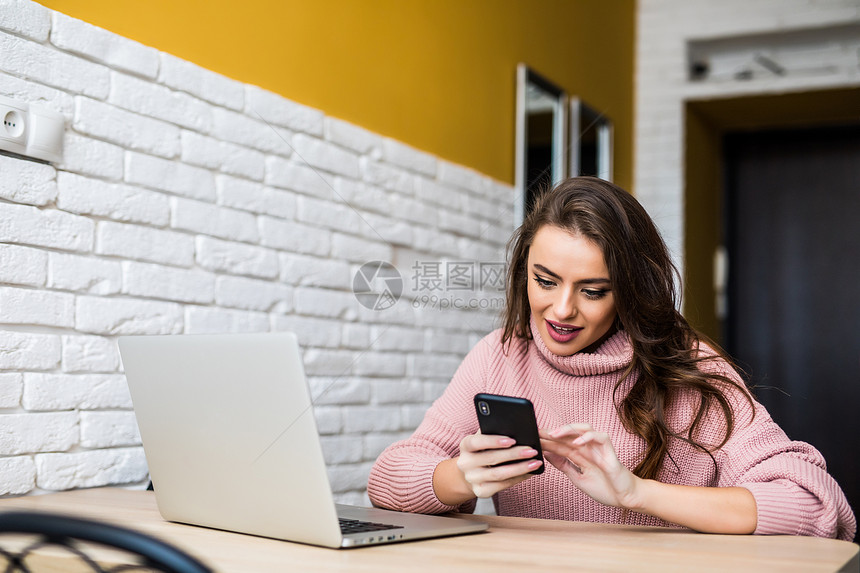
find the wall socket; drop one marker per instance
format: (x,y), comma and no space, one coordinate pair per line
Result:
(31,130)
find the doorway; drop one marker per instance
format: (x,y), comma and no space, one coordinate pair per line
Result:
(791,210)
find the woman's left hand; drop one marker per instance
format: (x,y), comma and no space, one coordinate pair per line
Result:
(588,459)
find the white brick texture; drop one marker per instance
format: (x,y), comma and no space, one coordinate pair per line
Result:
(84,274)
(313,271)
(187,202)
(10,389)
(325,156)
(89,156)
(124,128)
(37,432)
(82,353)
(90,468)
(45,228)
(209,320)
(250,131)
(75,36)
(19,475)
(109,429)
(28,351)
(254,197)
(199,217)
(28,306)
(101,315)
(209,86)
(69,391)
(153,100)
(43,64)
(23,266)
(353,137)
(402,155)
(144,243)
(27,182)
(253,294)
(208,152)
(272,108)
(296,176)
(236,258)
(293,236)
(26,18)
(155,281)
(170,176)
(86,196)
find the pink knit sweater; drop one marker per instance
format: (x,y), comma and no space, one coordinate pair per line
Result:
(793,491)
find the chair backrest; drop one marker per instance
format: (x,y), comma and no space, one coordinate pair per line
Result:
(75,534)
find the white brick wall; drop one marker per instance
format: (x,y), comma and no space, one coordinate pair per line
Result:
(664,30)
(187,202)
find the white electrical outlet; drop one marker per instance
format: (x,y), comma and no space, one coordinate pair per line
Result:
(45,134)
(13,131)
(31,130)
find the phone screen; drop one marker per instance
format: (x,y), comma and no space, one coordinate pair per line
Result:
(509,416)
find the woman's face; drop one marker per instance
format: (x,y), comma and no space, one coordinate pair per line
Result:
(569,291)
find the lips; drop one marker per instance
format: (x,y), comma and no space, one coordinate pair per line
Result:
(560,332)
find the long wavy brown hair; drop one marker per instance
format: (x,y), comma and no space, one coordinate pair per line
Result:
(666,354)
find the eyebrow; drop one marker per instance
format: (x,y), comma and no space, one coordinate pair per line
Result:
(545,270)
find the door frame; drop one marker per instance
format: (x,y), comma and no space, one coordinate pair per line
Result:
(705,123)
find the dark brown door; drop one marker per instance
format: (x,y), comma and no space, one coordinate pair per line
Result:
(793,236)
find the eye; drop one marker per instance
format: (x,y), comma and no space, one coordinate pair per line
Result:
(543,283)
(595,294)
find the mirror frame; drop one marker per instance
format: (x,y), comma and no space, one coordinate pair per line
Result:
(605,134)
(526,76)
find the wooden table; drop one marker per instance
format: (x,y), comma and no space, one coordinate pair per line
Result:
(511,544)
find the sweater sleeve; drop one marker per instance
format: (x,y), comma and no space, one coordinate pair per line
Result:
(402,476)
(793,492)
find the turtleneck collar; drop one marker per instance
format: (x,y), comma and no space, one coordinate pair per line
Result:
(613,355)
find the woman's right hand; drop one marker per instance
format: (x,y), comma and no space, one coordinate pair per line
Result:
(479,458)
(472,474)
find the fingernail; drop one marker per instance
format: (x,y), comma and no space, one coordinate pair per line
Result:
(529,453)
(535,464)
(507,442)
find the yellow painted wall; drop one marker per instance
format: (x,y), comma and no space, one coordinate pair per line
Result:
(436,74)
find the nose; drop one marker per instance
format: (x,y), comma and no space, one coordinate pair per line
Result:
(565,306)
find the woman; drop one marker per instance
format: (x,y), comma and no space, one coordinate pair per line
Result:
(646,422)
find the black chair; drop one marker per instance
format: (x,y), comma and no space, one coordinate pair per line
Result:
(72,534)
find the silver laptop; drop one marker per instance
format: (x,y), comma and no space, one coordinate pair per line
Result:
(231,441)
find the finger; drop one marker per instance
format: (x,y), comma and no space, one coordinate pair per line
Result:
(597,448)
(563,448)
(490,458)
(580,456)
(548,434)
(562,463)
(570,430)
(502,473)
(597,438)
(554,446)
(481,442)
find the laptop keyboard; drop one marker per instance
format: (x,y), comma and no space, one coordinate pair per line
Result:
(357,526)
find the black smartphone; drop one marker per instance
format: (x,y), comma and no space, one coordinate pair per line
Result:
(512,417)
